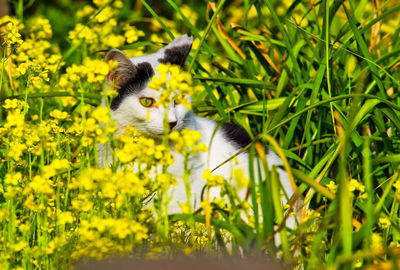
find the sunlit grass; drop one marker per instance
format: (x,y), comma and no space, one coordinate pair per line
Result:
(316,81)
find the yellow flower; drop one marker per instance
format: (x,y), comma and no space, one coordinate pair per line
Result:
(384,222)
(57,114)
(200,147)
(105,14)
(186,208)
(15,118)
(113,40)
(121,229)
(24,228)
(14,103)
(179,87)
(41,29)
(101,114)
(376,242)
(212,180)
(19,246)
(332,186)
(41,185)
(189,13)
(86,179)
(30,203)
(166,180)
(86,141)
(118,4)
(190,137)
(16,150)
(241,180)
(139,230)
(65,217)
(100,3)
(156,38)
(4,215)
(85,11)
(109,190)
(13,178)
(60,164)
(82,203)
(132,34)
(187,141)
(10,34)
(174,136)
(128,153)
(127,182)
(354,185)
(82,32)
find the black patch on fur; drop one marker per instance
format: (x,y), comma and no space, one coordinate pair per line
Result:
(176,55)
(236,134)
(142,76)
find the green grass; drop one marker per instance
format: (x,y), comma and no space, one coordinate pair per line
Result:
(329,103)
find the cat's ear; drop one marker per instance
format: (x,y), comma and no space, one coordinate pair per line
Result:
(125,70)
(177,51)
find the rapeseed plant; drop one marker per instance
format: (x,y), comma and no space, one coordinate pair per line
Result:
(174,83)
(269,71)
(10,34)
(51,204)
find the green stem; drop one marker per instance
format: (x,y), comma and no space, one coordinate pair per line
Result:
(185,178)
(328,76)
(196,53)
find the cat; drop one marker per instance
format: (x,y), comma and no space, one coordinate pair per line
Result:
(132,77)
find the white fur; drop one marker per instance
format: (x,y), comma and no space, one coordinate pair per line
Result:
(220,150)
(149,121)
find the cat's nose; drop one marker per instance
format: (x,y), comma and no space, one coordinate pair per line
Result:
(172,125)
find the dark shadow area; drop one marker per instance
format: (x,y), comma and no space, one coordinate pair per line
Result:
(199,263)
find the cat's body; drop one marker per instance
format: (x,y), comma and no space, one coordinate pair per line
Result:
(132,77)
(227,141)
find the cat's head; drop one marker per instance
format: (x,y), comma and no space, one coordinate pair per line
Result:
(134,104)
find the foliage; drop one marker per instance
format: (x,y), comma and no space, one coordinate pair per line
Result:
(318,81)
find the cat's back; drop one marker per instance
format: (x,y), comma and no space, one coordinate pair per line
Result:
(223,142)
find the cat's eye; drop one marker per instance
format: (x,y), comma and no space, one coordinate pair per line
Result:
(146,101)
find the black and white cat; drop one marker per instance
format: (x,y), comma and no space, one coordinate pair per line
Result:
(128,109)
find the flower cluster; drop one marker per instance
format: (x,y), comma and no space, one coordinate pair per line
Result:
(213,180)
(58,204)
(76,211)
(332,186)
(137,148)
(111,185)
(88,129)
(41,29)
(187,141)
(10,28)
(103,32)
(16,135)
(35,59)
(92,72)
(175,84)
(97,236)
(357,188)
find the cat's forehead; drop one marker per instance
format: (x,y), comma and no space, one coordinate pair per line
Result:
(151,59)
(148,92)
